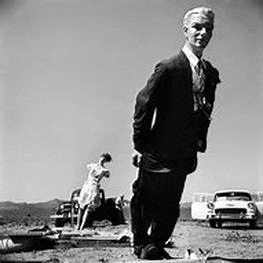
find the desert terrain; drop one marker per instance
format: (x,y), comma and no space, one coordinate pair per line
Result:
(230,241)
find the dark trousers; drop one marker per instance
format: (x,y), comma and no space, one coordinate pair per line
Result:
(155,205)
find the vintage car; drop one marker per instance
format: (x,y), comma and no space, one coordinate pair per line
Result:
(110,209)
(232,206)
(67,211)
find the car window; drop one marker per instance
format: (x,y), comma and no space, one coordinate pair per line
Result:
(232,196)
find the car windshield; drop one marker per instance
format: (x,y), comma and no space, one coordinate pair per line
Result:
(232,196)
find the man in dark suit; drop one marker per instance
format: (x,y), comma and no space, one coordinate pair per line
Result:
(171,120)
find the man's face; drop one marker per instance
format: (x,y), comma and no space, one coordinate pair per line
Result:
(198,32)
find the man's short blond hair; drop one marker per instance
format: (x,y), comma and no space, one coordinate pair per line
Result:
(202,11)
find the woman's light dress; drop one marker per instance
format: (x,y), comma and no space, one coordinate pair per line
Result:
(90,192)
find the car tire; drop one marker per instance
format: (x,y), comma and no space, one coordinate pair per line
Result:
(212,223)
(252,224)
(59,223)
(219,224)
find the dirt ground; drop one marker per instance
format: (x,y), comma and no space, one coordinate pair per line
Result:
(229,241)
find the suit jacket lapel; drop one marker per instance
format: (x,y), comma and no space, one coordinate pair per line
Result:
(184,62)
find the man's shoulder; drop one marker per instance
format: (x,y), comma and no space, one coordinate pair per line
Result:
(175,61)
(209,65)
(212,71)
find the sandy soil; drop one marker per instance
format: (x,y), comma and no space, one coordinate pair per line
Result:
(229,241)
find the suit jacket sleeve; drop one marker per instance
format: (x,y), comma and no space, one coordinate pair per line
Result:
(146,101)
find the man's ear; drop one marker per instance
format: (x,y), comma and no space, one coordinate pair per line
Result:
(185,29)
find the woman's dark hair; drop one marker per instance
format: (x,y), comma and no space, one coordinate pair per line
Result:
(107,157)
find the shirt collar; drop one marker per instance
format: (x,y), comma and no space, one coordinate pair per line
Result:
(193,59)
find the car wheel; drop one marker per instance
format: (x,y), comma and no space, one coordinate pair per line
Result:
(219,224)
(59,223)
(212,223)
(252,224)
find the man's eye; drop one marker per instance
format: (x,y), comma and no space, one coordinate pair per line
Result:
(209,28)
(198,27)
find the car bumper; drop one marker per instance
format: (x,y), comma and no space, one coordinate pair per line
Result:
(232,217)
(62,216)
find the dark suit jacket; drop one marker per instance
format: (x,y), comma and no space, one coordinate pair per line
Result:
(177,128)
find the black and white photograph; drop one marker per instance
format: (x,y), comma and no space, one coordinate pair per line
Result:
(131,131)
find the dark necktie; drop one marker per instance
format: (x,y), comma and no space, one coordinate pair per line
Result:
(198,86)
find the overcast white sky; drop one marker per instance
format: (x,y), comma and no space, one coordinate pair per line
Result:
(69,72)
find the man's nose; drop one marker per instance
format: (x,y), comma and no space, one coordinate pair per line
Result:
(203,31)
